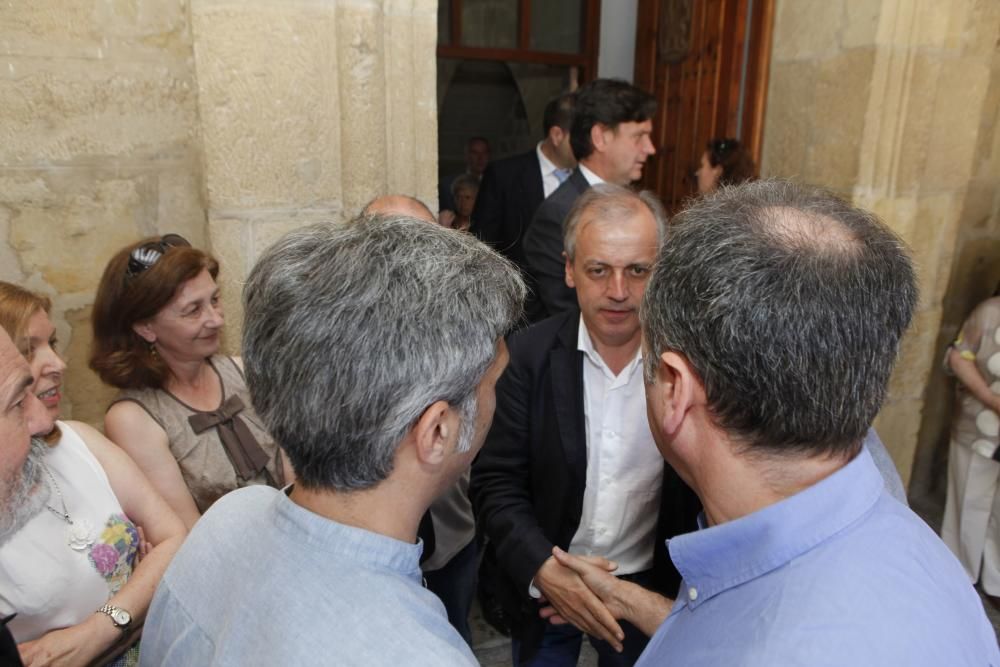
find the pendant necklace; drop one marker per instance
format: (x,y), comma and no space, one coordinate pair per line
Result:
(78,533)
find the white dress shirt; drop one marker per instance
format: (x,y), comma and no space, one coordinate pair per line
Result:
(624,468)
(548,168)
(591,177)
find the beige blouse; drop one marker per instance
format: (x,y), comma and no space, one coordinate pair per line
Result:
(205,464)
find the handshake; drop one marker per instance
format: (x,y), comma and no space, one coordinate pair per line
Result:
(583,591)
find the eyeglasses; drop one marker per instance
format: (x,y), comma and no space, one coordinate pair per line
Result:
(150,253)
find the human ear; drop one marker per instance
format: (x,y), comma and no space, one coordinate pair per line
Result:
(679,390)
(557,135)
(599,136)
(570,282)
(432,432)
(144,330)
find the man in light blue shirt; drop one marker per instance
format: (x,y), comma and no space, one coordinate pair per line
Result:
(372,350)
(772,323)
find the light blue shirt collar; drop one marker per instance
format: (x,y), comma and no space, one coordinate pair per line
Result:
(717,558)
(322,534)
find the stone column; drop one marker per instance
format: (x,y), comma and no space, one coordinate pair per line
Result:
(309,108)
(889,102)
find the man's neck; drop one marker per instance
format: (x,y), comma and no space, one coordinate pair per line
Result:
(616,357)
(374,510)
(595,163)
(733,485)
(552,155)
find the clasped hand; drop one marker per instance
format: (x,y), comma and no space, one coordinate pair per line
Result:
(579,590)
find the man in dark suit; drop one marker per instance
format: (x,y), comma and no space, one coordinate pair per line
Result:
(610,136)
(477,156)
(513,188)
(570,460)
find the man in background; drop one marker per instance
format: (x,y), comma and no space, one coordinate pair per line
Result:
(477,156)
(513,188)
(611,140)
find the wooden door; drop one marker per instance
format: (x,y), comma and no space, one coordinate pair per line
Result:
(716,90)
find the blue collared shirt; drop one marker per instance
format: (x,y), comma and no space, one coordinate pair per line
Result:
(838,574)
(263,581)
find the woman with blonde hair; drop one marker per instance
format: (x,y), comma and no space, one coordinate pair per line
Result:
(70,573)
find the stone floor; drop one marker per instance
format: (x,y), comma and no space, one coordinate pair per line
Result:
(493,649)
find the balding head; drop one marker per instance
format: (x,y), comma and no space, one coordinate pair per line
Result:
(789,303)
(399,205)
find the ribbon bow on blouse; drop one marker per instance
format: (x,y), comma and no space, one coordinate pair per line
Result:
(242,447)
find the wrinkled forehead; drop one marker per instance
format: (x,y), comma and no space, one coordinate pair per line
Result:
(618,243)
(616,218)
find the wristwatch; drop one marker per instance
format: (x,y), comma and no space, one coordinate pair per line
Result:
(121,618)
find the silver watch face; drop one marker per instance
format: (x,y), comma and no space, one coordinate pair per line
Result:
(121,617)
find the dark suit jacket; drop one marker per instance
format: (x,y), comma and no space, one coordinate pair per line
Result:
(509,194)
(9,655)
(543,246)
(528,482)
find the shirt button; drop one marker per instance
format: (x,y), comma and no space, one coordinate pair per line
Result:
(692,594)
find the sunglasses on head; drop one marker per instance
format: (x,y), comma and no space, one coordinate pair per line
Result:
(148,254)
(720,148)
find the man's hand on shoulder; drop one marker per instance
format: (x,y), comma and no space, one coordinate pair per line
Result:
(575,603)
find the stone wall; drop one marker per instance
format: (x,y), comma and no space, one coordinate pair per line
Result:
(229,122)
(309,108)
(893,103)
(98,147)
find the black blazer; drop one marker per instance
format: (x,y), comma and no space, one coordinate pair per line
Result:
(543,246)
(509,195)
(528,481)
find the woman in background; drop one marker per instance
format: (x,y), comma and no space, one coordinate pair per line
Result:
(464,190)
(724,162)
(184,413)
(971,526)
(70,573)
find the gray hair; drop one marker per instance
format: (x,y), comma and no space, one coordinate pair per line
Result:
(611,202)
(789,303)
(353,330)
(466,181)
(24,491)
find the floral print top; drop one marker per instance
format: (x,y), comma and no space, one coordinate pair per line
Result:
(113,554)
(54,574)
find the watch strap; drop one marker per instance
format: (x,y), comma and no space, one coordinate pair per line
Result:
(110,611)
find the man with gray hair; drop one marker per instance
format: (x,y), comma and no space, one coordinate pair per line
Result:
(771,326)
(22,415)
(570,460)
(22,491)
(448,530)
(371,349)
